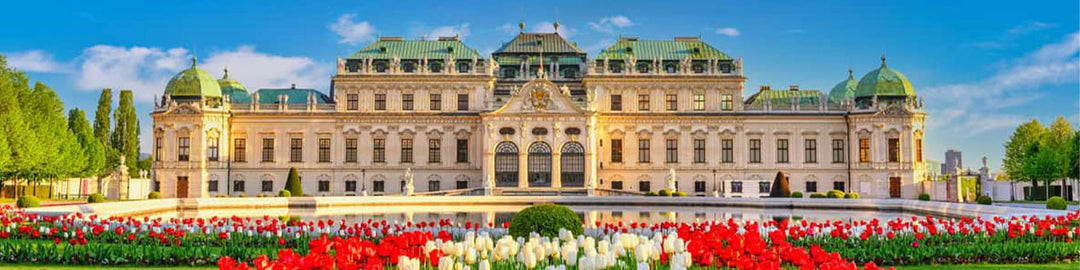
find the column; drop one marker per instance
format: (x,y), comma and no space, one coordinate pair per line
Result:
(523,166)
(556,168)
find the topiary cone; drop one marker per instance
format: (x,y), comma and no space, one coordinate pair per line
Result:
(780,188)
(293,185)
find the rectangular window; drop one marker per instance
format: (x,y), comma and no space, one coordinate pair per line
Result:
(350,186)
(726,103)
(352,102)
(918,150)
(810,152)
(240,150)
(350,150)
(324,150)
(864,150)
(463,102)
(296,150)
(736,186)
(837,151)
(616,103)
(378,153)
(378,186)
(212,186)
(643,151)
(699,186)
(435,102)
(727,147)
(462,184)
(157,148)
(434,185)
(380,102)
(894,150)
(782,151)
(406,151)
(755,150)
(238,186)
(616,185)
(212,144)
(811,186)
(463,151)
(406,102)
(672,102)
(838,185)
(699,151)
(268,150)
(764,187)
(643,102)
(672,147)
(183,149)
(267,186)
(616,151)
(643,186)
(434,151)
(699,102)
(324,186)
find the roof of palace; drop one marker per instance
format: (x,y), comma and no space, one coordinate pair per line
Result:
(295,95)
(884,81)
(784,97)
(677,49)
(193,82)
(844,90)
(233,89)
(391,47)
(552,43)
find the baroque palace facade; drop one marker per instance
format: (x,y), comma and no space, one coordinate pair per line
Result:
(539,116)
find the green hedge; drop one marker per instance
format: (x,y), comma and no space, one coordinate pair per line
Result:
(796,194)
(678,194)
(835,194)
(852,195)
(95,198)
(948,249)
(984,200)
(924,197)
(817,195)
(46,252)
(284,193)
(28,201)
(664,192)
(650,194)
(1056,203)
(545,219)
(154,195)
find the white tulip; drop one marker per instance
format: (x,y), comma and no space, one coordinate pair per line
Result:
(484,265)
(642,266)
(446,263)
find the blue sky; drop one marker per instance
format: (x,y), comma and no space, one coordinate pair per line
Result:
(983,66)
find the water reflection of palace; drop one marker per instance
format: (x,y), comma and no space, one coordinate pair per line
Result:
(538,115)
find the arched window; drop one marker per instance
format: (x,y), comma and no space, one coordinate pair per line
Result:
(573,165)
(506,165)
(435,67)
(670,68)
(643,68)
(463,67)
(408,67)
(539,165)
(380,66)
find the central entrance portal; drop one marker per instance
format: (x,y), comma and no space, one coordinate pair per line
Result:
(539,165)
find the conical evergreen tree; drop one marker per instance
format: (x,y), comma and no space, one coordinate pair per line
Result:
(293,184)
(102,123)
(780,186)
(94,151)
(125,137)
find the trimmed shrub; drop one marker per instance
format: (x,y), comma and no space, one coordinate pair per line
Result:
(796,194)
(546,220)
(984,200)
(95,198)
(293,184)
(817,195)
(835,194)
(924,197)
(780,188)
(284,193)
(154,195)
(1055,203)
(678,194)
(27,202)
(650,194)
(852,196)
(665,193)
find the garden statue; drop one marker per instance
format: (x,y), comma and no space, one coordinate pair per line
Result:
(408,177)
(671,186)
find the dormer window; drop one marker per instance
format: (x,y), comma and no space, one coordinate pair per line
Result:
(463,67)
(408,67)
(698,68)
(616,67)
(697,50)
(449,49)
(435,67)
(643,68)
(726,68)
(670,68)
(380,67)
(382,49)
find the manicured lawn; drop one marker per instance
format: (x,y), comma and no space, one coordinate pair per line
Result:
(1063,266)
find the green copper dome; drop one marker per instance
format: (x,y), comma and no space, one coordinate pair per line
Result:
(236,92)
(844,90)
(884,81)
(193,82)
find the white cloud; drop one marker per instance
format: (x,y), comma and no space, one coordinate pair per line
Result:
(36,61)
(146,70)
(608,24)
(548,27)
(1029,28)
(352,32)
(1008,39)
(507,28)
(728,31)
(461,30)
(972,108)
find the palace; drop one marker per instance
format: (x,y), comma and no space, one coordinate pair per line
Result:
(538,116)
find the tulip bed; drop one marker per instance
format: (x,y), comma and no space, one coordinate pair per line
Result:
(267,243)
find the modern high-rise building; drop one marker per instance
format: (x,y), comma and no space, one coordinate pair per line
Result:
(953,161)
(538,116)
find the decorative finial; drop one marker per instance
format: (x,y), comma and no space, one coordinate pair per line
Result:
(521,25)
(226,73)
(883,59)
(556,24)
(850,73)
(194,60)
